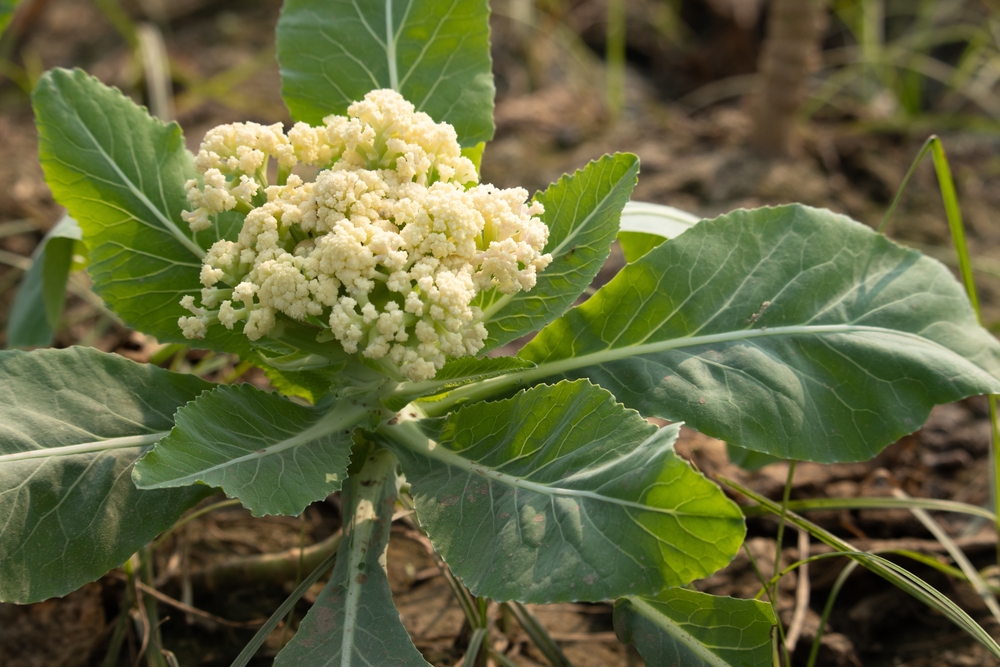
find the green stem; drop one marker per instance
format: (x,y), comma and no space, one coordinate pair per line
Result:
(834,592)
(549,648)
(773,601)
(615,57)
(154,658)
(777,546)
(298,577)
(118,636)
(781,519)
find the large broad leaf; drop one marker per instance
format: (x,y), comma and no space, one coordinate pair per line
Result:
(560,493)
(581,211)
(353,622)
(272,454)
(791,331)
(435,52)
(120,173)
(682,628)
(72,423)
(645,226)
(37,308)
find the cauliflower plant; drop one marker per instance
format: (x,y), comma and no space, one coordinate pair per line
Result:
(386,249)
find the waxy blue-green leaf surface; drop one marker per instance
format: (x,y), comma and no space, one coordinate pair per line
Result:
(120,173)
(682,628)
(353,622)
(562,494)
(436,53)
(276,456)
(581,211)
(791,331)
(72,423)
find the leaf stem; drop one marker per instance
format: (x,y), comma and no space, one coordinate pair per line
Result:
(781,519)
(834,592)
(390,47)
(123,442)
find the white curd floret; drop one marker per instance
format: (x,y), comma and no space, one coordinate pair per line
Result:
(387,248)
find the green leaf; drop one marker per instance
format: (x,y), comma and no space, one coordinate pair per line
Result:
(791,331)
(581,211)
(749,460)
(353,621)
(27,325)
(636,244)
(645,226)
(560,493)
(455,373)
(37,308)
(293,375)
(72,423)
(683,628)
(435,52)
(120,173)
(475,153)
(7,9)
(272,454)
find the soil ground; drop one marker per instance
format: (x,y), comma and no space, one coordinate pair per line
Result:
(550,119)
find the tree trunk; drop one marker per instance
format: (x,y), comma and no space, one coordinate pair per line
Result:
(789,52)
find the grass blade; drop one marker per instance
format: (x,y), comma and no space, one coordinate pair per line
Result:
(251,649)
(957,228)
(894,574)
(817,504)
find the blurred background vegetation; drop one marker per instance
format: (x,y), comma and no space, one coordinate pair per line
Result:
(728,103)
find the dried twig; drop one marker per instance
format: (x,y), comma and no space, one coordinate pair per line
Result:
(188,609)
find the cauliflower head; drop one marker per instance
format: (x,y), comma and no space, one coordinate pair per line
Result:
(386,249)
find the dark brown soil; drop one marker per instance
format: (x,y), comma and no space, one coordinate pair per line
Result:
(550,119)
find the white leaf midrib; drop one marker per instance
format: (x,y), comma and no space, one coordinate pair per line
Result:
(123,442)
(390,48)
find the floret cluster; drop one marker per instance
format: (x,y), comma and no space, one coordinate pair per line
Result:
(387,248)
